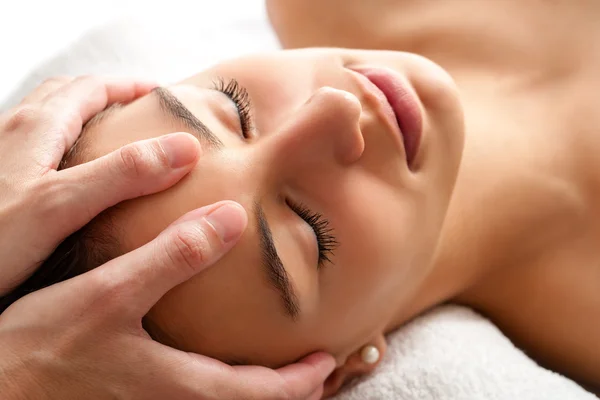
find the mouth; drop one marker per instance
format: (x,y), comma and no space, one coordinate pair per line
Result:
(399,105)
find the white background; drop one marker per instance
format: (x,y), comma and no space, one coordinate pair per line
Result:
(33,32)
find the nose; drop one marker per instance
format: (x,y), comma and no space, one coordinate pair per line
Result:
(323,132)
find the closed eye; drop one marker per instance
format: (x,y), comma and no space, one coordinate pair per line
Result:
(239,96)
(326,241)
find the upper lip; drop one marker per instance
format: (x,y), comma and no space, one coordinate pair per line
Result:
(382,106)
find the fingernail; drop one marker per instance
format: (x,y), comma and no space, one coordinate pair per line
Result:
(229,221)
(180,148)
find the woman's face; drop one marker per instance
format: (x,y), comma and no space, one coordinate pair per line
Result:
(317,154)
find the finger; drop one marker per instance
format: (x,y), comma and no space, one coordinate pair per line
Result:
(77,102)
(135,170)
(300,381)
(48,86)
(192,243)
(296,381)
(316,395)
(306,377)
(93,94)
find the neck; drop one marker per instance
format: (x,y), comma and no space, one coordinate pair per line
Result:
(444,281)
(504,36)
(498,73)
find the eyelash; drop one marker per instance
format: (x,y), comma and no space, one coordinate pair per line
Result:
(326,240)
(239,95)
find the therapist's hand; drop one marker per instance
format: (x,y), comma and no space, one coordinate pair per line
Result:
(40,206)
(83,338)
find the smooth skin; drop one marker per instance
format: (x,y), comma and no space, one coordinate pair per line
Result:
(520,242)
(320,139)
(510,226)
(45,337)
(500,212)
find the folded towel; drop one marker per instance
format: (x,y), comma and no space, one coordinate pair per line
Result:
(449,353)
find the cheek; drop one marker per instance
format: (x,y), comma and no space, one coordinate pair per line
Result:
(378,225)
(228,311)
(380,257)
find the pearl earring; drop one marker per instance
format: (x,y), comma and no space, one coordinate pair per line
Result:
(369,354)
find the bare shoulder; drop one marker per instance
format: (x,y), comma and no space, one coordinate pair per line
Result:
(373,24)
(550,309)
(333,23)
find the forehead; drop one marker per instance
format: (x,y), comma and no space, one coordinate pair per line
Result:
(139,120)
(205,184)
(235,283)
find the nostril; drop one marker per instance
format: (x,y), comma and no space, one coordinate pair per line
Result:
(342,111)
(353,145)
(350,142)
(331,119)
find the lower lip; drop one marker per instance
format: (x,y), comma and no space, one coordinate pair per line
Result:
(405,105)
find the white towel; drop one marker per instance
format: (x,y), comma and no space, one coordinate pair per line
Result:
(450,353)
(453,353)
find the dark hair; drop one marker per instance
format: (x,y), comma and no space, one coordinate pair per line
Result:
(84,250)
(64,263)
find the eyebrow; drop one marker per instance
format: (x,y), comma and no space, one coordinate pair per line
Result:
(171,105)
(276,273)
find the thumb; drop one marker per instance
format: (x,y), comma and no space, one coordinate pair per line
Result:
(138,169)
(301,380)
(192,243)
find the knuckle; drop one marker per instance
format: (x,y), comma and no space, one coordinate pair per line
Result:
(132,161)
(88,80)
(56,80)
(62,115)
(160,154)
(190,247)
(140,159)
(71,120)
(23,116)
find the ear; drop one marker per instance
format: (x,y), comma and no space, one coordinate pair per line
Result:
(354,366)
